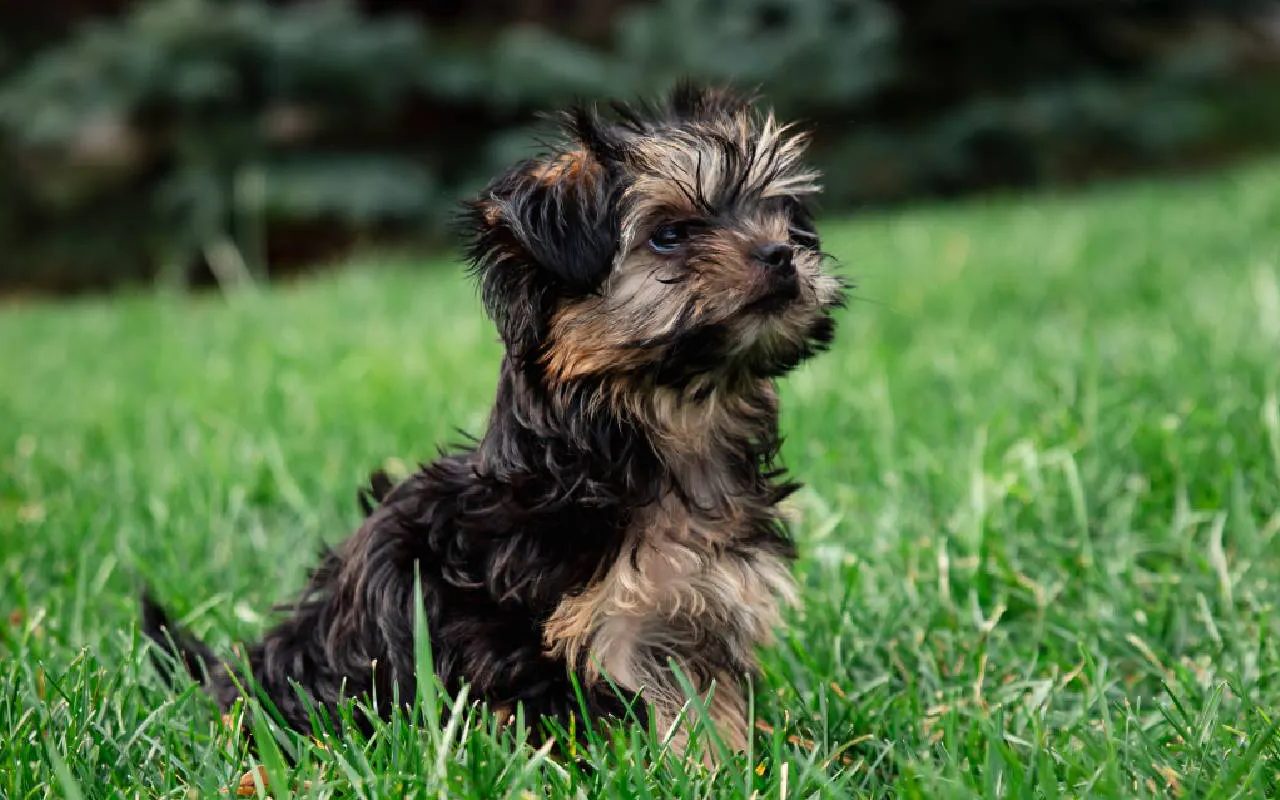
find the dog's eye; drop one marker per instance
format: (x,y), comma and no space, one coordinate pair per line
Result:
(666,239)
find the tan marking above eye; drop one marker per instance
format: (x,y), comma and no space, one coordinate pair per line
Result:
(566,166)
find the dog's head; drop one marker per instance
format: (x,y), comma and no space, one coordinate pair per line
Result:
(671,244)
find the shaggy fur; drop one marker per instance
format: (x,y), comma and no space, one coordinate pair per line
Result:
(620,512)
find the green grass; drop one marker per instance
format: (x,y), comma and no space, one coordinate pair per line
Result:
(1039,537)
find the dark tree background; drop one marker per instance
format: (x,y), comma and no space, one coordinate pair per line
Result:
(190,140)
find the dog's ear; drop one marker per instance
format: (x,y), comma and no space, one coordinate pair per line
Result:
(545,230)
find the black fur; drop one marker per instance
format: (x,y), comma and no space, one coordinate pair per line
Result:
(371,496)
(176,644)
(498,535)
(554,240)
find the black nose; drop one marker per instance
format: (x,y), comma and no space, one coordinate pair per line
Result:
(775,256)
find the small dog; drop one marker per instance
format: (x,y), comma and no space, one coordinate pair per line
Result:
(650,278)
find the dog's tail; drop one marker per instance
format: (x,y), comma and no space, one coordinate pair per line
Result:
(175,645)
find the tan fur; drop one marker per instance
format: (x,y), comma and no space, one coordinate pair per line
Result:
(640,300)
(677,583)
(585,342)
(644,296)
(680,586)
(673,166)
(570,166)
(492,213)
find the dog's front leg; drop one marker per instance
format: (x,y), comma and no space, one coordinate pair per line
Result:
(721,699)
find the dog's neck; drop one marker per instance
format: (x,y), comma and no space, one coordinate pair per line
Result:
(712,444)
(632,439)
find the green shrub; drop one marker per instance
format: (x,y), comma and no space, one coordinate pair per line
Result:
(194,102)
(189,137)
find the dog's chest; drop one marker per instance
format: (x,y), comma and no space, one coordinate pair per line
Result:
(684,586)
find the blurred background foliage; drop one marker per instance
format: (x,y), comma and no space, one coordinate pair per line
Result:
(190,141)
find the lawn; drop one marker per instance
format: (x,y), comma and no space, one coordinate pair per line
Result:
(1039,537)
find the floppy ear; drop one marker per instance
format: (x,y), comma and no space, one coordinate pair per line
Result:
(547,229)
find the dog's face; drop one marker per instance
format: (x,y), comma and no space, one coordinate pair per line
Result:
(674,246)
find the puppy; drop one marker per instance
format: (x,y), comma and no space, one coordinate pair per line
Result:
(650,277)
